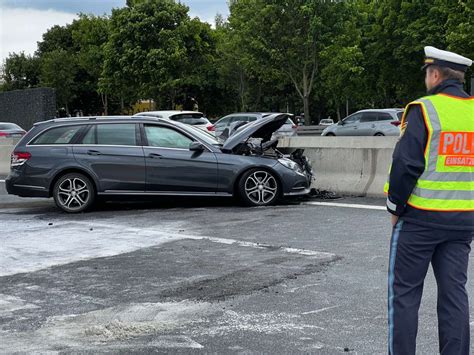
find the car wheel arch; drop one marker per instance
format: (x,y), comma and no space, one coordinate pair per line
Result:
(65,171)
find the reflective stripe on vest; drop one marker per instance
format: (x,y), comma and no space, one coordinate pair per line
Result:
(447,182)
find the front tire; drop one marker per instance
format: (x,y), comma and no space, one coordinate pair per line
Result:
(379,134)
(74,193)
(330,135)
(258,187)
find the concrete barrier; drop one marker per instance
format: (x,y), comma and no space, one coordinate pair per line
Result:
(6,148)
(347,165)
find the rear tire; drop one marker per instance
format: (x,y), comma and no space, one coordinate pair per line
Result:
(379,134)
(259,187)
(330,135)
(74,193)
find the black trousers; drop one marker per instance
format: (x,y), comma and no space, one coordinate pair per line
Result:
(412,249)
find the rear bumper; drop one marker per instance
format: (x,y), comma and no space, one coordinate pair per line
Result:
(16,187)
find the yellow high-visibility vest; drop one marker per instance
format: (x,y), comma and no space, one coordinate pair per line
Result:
(447,183)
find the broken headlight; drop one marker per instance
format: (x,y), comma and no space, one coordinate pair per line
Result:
(290,164)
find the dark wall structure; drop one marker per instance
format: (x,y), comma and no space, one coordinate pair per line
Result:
(25,107)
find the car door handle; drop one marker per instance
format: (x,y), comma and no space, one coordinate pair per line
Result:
(154,156)
(93,152)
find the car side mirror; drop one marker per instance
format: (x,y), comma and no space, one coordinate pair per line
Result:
(196,147)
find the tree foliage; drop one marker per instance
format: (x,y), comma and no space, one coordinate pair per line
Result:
(267,55)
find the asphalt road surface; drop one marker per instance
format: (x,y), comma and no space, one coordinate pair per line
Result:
(198,276)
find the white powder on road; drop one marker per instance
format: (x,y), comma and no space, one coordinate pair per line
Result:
(35,245)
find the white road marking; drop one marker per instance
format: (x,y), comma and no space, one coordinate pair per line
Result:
(33,245)
(347,205)
(319,310)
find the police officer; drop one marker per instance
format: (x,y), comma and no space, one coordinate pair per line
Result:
(431,199)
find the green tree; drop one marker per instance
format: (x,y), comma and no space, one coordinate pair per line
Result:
(155,51)
(89,35)
(58,70)
(287,39)
(55,38)
(393,39)
(20,71)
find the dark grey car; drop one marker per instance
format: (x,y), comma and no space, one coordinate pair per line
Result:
(74,160)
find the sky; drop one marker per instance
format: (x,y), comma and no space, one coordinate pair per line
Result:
(22,22)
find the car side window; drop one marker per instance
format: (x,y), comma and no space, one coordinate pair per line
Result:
(352,119)
(91,136)
(400,115)
(165,137)
(252,118)
(223,122)
(239,119)
(383,116)
(59,135)
(369,117)
(111,134)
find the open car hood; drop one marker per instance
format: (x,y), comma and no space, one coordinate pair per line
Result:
(263,129)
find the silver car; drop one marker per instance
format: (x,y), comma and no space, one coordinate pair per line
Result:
(192,118)
(373,122)
(230,123)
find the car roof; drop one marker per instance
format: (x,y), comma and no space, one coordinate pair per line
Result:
(82,119)
(167,113)
(381,110)
(258,113)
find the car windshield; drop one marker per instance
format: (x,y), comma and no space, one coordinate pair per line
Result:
(8,126)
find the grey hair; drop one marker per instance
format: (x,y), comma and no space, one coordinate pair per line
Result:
(448,73)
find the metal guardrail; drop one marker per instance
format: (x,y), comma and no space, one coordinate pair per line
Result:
(310,130)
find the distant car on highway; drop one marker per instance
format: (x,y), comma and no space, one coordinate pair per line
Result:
(326,122)
(192,118)
(372,122)
(74,160)
(11,130)
(226,125)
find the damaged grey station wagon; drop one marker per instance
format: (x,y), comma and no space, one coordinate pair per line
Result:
(74,160)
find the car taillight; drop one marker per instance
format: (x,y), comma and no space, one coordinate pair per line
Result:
(396,123)
(211,128)
(19,158)
(294,126)
(3,134)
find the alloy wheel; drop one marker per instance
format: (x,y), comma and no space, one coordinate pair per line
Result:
(261,187)
(73,193)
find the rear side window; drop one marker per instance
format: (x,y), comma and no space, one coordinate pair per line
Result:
(383,116)
(186,116)
(58,135)
(400,115)
(190,120)
(8,126)
(111,134)
(369,117)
